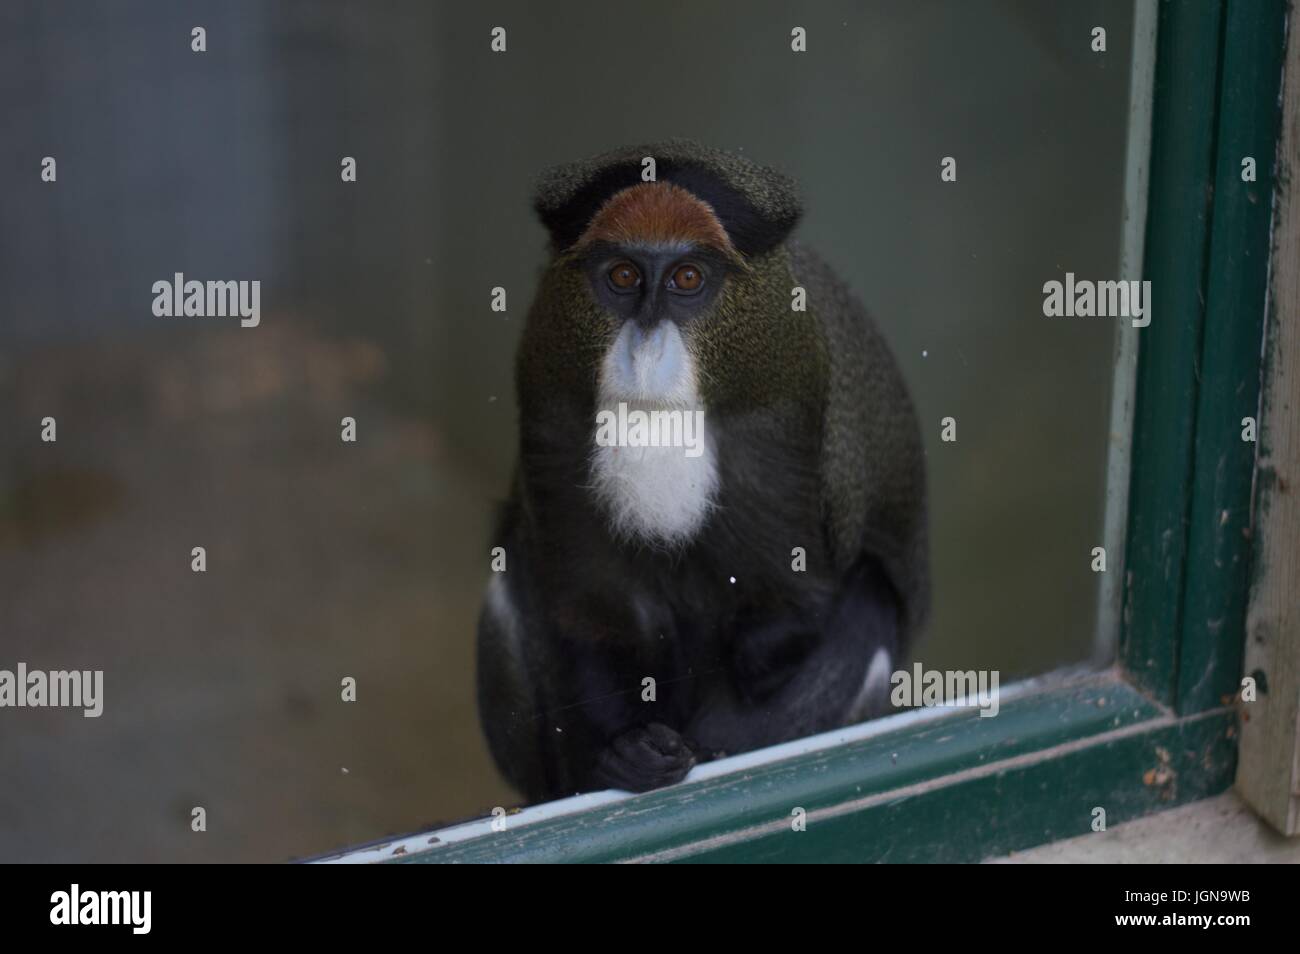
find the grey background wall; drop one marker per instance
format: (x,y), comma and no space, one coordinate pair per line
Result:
(367,560)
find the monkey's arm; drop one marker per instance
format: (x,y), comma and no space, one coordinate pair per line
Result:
(873,457)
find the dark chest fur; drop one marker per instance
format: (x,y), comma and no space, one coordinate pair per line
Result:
(673,612)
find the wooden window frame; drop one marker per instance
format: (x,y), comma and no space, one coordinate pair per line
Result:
(1160,724)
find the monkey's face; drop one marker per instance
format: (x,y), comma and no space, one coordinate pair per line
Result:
(674,293)
(655,296)
(655,259)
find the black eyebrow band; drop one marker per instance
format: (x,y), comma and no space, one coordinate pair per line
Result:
(750,231)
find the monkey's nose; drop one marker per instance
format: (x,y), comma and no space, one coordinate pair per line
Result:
(648,362)
(646,338)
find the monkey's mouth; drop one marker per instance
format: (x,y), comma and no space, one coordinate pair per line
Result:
(649,365)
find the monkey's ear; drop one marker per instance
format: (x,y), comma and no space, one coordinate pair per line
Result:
(757,206)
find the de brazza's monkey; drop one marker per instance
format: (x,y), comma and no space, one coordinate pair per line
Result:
(757,582)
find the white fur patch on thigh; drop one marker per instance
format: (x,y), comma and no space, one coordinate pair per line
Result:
(878,673)
(874,695)
(501,609)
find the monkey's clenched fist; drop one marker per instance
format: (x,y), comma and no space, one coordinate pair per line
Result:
(644,757)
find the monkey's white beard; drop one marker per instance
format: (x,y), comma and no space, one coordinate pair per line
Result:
(656,494)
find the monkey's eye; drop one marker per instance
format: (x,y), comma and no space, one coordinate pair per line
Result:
(624,276)
(687,278)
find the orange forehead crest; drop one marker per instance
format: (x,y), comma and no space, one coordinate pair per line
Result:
(657,213)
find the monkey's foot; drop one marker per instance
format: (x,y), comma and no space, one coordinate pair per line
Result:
(643,758)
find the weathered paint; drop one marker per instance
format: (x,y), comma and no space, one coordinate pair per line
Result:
(932,756)
(1218,539)
(1182,167)
(1130,773)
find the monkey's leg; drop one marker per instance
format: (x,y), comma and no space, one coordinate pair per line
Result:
(511,692)
(770,649)
(810,681)
(560,693)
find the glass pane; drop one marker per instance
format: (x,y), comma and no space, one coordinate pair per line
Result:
(227,672)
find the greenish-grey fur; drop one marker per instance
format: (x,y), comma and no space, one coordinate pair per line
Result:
(564,340)
(745,344)
(755,350)
(873,461)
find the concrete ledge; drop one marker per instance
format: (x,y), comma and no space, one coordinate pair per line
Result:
(1217,830)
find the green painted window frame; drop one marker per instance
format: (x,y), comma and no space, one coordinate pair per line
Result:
(1157,727)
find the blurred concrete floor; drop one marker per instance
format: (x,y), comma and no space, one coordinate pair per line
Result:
(1220,830)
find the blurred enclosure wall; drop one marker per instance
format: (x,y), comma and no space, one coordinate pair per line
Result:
(328,560)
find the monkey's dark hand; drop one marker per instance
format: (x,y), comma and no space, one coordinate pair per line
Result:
(767,655)
(643,758)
